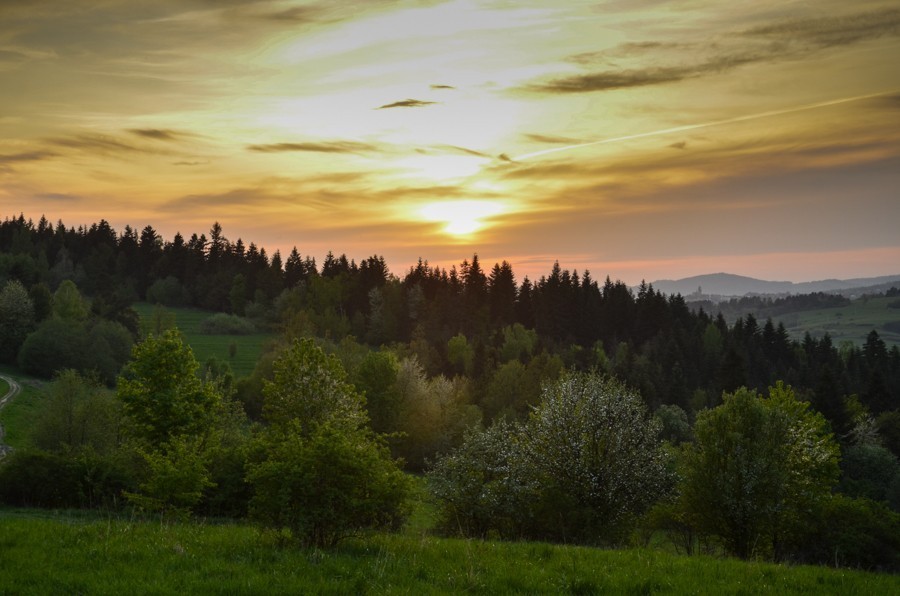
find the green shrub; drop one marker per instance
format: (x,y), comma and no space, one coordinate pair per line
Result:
(41,479)
(328,487)
(224,324)
(846,532)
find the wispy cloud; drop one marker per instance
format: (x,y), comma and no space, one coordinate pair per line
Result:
(315,147)
(27,156)
(59,197)
(773,42)
(625,79)
(406,103)
(832,31)
(551,139)
(96,143)
(461,150)
(158,134)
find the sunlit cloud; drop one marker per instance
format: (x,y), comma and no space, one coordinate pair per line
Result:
(606,133)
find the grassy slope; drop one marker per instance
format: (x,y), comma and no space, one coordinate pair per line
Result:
(853,322)
(188,321)
(20,414)
(68,555)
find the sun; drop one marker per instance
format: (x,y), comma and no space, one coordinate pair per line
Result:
(462,218)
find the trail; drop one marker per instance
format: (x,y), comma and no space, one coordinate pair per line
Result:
(14,389)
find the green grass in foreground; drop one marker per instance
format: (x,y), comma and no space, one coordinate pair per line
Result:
(21,413)
(249,347)
(72,555)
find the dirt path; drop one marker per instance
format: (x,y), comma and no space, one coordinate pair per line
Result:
(14,389)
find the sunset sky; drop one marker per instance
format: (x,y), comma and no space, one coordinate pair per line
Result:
(638,139)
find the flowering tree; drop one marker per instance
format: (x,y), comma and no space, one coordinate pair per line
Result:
(587,462)
(593,458)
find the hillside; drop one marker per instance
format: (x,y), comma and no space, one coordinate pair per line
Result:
(727,284)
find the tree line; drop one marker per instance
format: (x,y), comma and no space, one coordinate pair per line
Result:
(436,367)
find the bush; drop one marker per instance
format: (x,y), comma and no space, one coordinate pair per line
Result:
(846,532)
(473,484)
(328,487)
(41,479)
(168,292)
(224,324)
(68,344)
(320,472)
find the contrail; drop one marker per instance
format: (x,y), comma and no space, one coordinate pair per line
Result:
(667,131)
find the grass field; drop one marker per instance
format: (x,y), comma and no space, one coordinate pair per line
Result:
(45,553)
(188,320)
(20,414)
(853,322)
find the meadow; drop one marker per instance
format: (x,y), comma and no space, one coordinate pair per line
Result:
(20,414)
(248,347)
(848,323)
(57,553)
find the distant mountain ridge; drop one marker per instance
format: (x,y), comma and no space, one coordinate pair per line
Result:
(728,284)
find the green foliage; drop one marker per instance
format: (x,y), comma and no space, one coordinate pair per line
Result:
(99,347)
(311,386)
(42,300)
(175,478)
(845,532)
(78,414)
(68,304)
(587,462)
(376,378)
(327,486)
(320,473)
(474,483)
(161,393)
(434,413)
(225,324)
(889,430)
(167,291)
(755,466)
(593,459)
(34,478)
(518,343)
(872,472)
(460,355)
(16,319)
(676,428)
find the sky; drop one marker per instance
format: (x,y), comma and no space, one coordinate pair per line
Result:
(639,139)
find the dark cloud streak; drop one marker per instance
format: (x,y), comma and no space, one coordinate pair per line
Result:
(406,103)
(158,134)
(321,147)
(27,156)
(773,42)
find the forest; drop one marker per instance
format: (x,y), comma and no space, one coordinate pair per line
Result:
(567,408)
